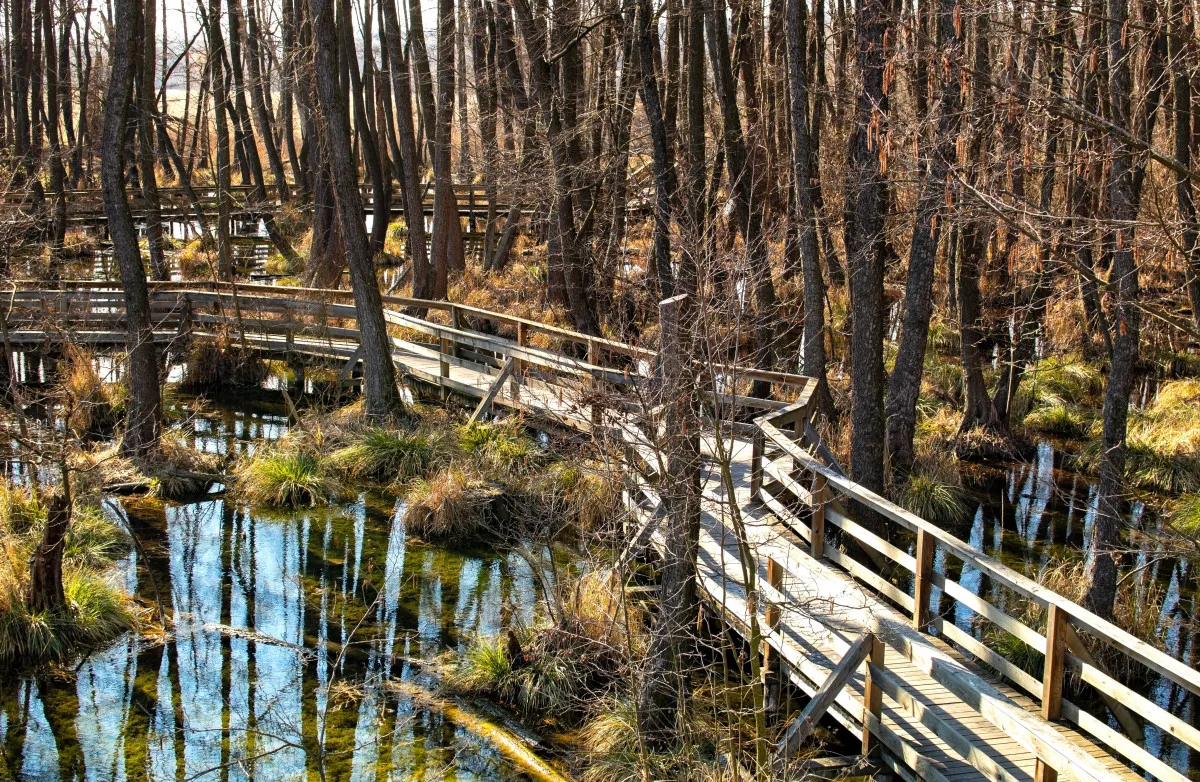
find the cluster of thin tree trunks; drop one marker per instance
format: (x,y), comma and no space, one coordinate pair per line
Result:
(993,158)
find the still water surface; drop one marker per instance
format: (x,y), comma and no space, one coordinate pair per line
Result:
(287,627)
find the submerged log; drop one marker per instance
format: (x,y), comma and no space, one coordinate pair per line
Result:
(509,744)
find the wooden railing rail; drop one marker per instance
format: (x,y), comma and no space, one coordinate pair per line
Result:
(1064,651)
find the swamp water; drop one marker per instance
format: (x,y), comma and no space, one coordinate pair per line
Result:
(289,627)
(1040,513)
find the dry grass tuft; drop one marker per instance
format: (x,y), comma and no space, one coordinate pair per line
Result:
(97,609)
(455,503)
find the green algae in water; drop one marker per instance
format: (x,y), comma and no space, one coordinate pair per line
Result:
(333,604)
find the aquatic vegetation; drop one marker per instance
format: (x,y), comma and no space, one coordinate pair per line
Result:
(715,722)
(1066,380)
(96,609)
(1184,515)
(96,407)
(198,258)
(1162,442)
(562,668)
(933,499)
(584,493)
(277,477)
(79,243)
(1057,417)
(945,338)
(395,241)
(389,455)
(221,365)
(500,446)
(942,378)
(1136,610)
(455,502)
(175,470)
(279,266)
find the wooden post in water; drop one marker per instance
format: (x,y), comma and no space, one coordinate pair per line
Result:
(1052,680)
(923,573)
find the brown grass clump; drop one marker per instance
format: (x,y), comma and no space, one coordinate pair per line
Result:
(222,365)
(455,502)
(96,407)
(97,609)
(174,471)
(198,258)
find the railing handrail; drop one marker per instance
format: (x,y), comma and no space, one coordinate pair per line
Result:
(533,326)
(928,535)
(1156,659)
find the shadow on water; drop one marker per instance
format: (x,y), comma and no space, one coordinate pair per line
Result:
(287,626)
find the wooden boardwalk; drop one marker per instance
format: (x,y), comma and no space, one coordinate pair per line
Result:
(938,703)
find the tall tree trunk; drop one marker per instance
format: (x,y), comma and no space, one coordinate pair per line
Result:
(742,180)
(866,206)
(813,349)
(1184,197)
(664,159)
(1027,326)
(58,173)
(262,117)
(146,137)
(904,386)
(663,697)
(380,393)
(143,416)
(573,251)
(410,180)
(216,80)
(976,234)
(1101,573)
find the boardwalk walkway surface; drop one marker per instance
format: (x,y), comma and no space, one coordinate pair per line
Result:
(935,699)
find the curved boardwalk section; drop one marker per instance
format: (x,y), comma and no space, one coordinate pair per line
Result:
(846,610)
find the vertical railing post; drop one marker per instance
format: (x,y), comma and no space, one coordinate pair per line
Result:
(456,324)
(775,581)
(872,695)
(1052,680)
(518,373)
(772,666)
(816,541)
(593,358)
(758,445)
(923,574)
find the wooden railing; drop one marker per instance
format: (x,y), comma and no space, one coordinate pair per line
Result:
(792,474)
(811,494)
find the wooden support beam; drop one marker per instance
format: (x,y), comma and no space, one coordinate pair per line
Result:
(872,695)
(801,727)
(1052,681)
(493,390)
(518,374)
(757,446)
(923,574)
(1124,717)
(348,367)
(816,542)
